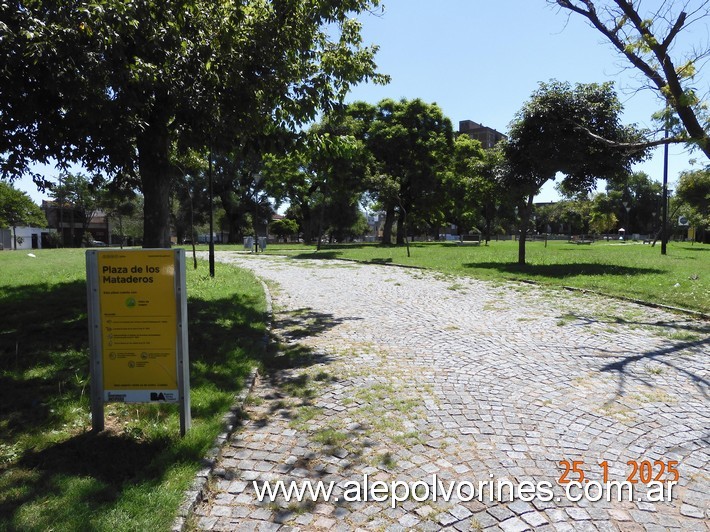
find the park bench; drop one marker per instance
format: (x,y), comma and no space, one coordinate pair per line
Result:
(474,239)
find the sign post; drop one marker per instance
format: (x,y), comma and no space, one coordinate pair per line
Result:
(138,329)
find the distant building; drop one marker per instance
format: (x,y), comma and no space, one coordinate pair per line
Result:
(26,238)
(376,222)
(70,223)
(488,137)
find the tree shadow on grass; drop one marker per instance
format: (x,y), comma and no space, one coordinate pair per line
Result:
(694,248)
(44,364)
(226,338)
(111,458)
(326,255)
(70,482)
(43,355)
(44,367)
(560,271)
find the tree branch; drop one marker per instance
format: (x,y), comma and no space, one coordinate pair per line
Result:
(665,78)
(628,146)
(674,31)
(612,35)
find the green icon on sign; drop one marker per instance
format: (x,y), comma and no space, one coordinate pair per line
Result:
(130,302)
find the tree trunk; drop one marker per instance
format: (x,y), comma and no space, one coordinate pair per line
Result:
(401,227)
(233,229)
(73,229)
(306,222)
(154,167)
(489,210)
(387,227)
(234,216)
(524,221)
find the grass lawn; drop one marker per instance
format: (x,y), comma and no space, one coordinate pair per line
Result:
(57,475)
(681,278)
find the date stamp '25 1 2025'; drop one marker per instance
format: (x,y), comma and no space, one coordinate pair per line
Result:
(659,476)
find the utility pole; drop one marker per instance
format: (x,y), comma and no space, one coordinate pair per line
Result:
(211,253)
(664,207)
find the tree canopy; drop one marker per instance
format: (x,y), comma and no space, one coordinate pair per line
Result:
(549,136)
(464,183)
(694,191)
(17,209)
(121,87)
(412,142)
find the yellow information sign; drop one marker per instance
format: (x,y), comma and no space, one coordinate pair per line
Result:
(138,316)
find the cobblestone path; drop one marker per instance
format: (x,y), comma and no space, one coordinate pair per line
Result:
(403,375)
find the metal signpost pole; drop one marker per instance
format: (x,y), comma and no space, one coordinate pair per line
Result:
(183,355)
(96,365)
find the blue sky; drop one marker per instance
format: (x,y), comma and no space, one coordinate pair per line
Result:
(482,59)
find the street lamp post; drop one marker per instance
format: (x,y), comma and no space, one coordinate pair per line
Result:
(211,195)
(257,204)
(664,207)
(628,213)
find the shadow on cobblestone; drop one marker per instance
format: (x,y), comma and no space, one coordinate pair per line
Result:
(622,367)
(311,255)
(689,326)
(688,329)
(304,322)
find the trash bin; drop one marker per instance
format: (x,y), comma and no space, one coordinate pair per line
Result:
(248,242)
(262,243)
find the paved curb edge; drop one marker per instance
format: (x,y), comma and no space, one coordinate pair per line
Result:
(197,490)
(678,310)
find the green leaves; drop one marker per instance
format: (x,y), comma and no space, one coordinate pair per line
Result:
(572,130)
(117,85)
(654,38)
(17,208)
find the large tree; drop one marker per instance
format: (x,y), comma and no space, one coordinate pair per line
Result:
(83,195)
(340,159)
(18,209)
(463,184)
(637,200)
(694,192)
(655,42)
(323,178)
(289,179)
(602,214)
(122,86)
(238,184)
(549,136)
(412,142)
